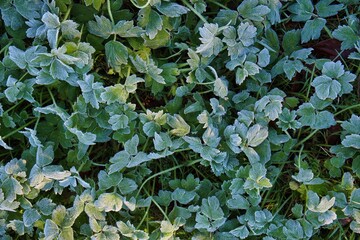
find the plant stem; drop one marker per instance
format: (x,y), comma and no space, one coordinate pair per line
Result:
(98,164)
(171,56)
(166,171)
(143,218)
(5,47)
(52,96)
(18,129)
(140,103)
(14,106)
(206,83)
(327,30)
(157,205)
(185,70)
(346,109)
(311,79)
(138,6)
(109,11)
(307,138)
(67,12)
(219,4)
(194,11)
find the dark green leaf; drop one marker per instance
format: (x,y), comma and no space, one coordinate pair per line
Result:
(116,54)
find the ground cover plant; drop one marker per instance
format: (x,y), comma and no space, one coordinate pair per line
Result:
(189,119)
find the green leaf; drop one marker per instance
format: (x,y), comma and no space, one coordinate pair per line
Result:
(183,196)
(15,225)
(30,216)
(102,27)
(291,41)
(4,145)
(9,206)
(138,159)
(119,161)
(347,36)
(28,9)
(293,230)
(8,121)
(301,54)
(264,57)
(211,216)
(221,87)
(256,135)
(315,119)
(149,68)
(241,75)
(210,207)
(171,9)
(151,21)
(302,10)
(46,206)
(242,232)
(251,68)
(31,135)
(347,181)
(86,138)
(128,230)
(226,16)
(107,181)
(238,202)
(304,175)
(44,156)
(246,33)
(211,45)
(352,140)
(17,56)
(333,70)
(315,205)
(251,10)
(91,90)
(51,20)
(55,172)
(325,9)
(67,233)
(109,202)
(180,127)
(126,29)
(19,90)
(161,141)
(257,178)
(131,145)
(115,93)
(69,29)
(59,70)
(356,166)
(127,186)
(352,126)
(325,87)
(51,230)
(116,54)
(312,29)
(53,37)
(355,198)
(119,122)
(93,212)
(12,18)
(164,198)
(211,136)
(291,67)
(96,3)
(271,105)
(131,83)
